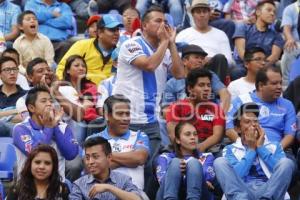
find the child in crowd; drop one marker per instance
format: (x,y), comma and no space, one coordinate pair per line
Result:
(91,31)
(185,173)
(32,44)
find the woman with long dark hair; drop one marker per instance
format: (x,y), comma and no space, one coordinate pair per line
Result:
(185,173)
(39,178)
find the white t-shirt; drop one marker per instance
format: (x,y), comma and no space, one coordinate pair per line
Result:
(240,86)
(213,42)
(142,88)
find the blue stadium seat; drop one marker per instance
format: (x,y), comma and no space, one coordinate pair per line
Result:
(8,158)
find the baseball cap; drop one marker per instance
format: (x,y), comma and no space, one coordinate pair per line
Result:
(199,4)
(192,48)
(92,19)
(109,21)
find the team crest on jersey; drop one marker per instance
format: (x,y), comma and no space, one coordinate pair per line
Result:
(116,147)
(25,138)
(264,111)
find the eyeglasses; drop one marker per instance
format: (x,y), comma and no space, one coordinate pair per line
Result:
(9,70)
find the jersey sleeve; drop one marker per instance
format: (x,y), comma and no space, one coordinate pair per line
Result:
(130,50)
(142,142)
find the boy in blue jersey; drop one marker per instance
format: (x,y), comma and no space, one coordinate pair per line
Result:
(252,167)
(130,149)
(44,127)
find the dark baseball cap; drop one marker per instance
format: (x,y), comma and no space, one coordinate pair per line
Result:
(192,48)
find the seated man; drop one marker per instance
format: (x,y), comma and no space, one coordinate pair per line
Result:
(8,20)
(9,94)
(193,57)
(206,116)
(130,149)
(254,60)
(44,126)
(258,34)
(277,115)
(101,182)
(253,168)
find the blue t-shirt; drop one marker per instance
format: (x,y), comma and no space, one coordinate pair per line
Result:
(277,118)
(290,18)
(256,38)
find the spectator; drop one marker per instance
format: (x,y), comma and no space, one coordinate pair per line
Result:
(55,22)
(40,177)
(105,6)
(96,51)
(277,115)
(185,173)
(101,182)
(81,92)
(143,65)
(258,34)
(92,26)
(32,44)
(252,167)
(212,40)
(254,60)
(292,94)
(21,79)
(206,116)
(241,11)
(193,57)
(130,149)
(44,126)
(9,94)
(290,24)
(174,7)
(8,20)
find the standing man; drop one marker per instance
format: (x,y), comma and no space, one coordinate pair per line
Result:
(143,65)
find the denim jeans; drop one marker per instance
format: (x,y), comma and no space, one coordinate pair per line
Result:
(174,6)
(153,132)
(171,187)
(235,188)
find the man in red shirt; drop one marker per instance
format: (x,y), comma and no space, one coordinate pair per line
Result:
(205,115)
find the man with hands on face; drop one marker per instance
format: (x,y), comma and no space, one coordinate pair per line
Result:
(101,182)
(253,167)
(44,126)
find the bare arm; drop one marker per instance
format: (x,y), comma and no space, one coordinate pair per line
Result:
(287,141)
(212,140)
(13,34)
(290,43)
(232,134)
(225,99)
(129,159)
(240,46)
(171,130)
(274,57)
(6,113)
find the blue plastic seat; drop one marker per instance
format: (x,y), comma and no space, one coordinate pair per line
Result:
(8,158)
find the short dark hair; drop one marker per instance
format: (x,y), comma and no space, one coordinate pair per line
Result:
(249,52)
(262,3)
(193,75)
(132,8)
(11,50)
(245,108)
(5,59)
(261,75)
(33,94)
(22,15)
(112,100)
(32,63)
(154,8)
(98,140)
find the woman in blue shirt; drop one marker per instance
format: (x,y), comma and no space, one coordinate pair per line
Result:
(185,173)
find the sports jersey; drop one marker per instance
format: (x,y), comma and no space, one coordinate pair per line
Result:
(129,141)
(277,118)
(142,88)
(105,90)
(27,135)
(164,160)
(204,117)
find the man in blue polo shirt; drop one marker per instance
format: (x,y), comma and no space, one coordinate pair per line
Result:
(258,34)
(277,115)
(130,149)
